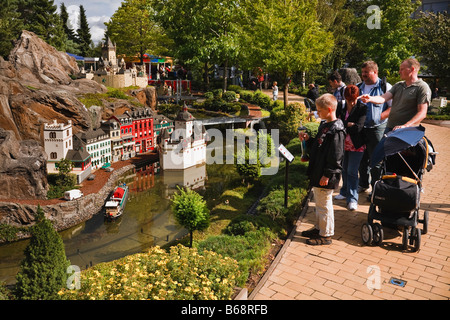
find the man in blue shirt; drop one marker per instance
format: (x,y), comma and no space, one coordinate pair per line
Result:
(374,126)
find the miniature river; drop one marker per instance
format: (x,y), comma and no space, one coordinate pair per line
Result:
(147,220)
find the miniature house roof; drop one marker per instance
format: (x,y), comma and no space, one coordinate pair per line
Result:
(184,115)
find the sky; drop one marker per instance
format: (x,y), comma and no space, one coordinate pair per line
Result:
(97,12)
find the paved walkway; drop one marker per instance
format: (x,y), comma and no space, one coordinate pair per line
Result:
(348,270)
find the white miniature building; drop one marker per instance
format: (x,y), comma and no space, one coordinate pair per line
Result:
(57,142)
(98,145)
(185,147)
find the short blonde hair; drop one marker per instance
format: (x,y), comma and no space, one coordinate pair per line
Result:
(371,65)
(413,63)
(327,100)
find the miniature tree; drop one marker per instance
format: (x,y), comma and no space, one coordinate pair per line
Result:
(43,270)
(190,211)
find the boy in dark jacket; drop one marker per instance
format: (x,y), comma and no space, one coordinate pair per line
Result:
(325,167)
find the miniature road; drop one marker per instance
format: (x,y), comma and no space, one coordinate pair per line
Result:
(348,270)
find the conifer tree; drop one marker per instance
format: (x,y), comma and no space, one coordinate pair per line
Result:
(10,26)
(43,270)
(40,17)
(84,34)
(66,23)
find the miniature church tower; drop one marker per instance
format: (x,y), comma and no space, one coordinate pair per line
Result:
(109,52)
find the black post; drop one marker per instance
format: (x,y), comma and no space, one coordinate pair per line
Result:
(286,183)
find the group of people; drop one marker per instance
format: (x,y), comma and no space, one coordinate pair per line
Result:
(354,120)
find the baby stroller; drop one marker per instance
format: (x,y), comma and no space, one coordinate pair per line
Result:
(405,154)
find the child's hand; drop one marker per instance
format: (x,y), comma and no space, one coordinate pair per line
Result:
(303,136)
(324,181)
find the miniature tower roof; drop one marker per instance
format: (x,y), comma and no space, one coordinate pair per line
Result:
(184,115)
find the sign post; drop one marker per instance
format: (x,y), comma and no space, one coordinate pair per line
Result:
(289,158)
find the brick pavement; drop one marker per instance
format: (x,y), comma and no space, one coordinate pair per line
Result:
(348,270)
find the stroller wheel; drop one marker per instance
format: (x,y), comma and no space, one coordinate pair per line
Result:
(378,234)
(425,222)
(405,238)
(367,234)
(417,237)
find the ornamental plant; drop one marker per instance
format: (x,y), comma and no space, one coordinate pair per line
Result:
(180,274)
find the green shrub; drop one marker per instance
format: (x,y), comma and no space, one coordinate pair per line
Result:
(209,95)
(217,93)
(235,88)
(229,96)
(249,250)
(181,274)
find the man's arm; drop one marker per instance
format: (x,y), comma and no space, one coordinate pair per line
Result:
(377,99)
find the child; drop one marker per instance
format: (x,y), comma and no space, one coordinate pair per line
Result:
(325,167)
(275,91)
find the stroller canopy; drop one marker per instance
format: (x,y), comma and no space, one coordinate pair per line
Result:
(397,141)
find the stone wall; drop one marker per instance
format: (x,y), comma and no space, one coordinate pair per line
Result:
(64,214)
(121,80)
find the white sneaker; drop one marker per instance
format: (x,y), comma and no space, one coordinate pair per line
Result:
(352,206)
(340,197)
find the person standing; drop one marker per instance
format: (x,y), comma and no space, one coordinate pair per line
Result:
(275,91)
(335,81)
(353,117)
(374,126)
(410,98)
(324,169)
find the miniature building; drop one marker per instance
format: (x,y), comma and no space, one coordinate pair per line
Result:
(112,73)
(126,134)
(112,128)
(59,144)
(143,129)
(98,144)
(185,146)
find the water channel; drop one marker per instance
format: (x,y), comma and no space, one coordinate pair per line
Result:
(147,220)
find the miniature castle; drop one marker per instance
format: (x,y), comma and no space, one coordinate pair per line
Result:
(185,146)
(113,73)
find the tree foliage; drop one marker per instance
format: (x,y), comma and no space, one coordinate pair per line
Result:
(284,36)
(433,39)
(40,17)
(134,30)
(391,43)
(43,270)
(190,211)
(10,26)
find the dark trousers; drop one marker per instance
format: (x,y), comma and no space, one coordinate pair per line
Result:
(366,174)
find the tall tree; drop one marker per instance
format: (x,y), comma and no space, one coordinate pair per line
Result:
(66,23)
(433,44)
(204,31)
(40,17)
(10,26)
(43,270)
(84,34)
(389,43)
(284,36)
(133,29)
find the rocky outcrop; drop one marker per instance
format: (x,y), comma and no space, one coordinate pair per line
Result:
(23,172)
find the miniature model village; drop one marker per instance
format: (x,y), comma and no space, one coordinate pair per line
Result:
(123,137)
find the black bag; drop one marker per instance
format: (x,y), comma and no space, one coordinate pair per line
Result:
(396,193)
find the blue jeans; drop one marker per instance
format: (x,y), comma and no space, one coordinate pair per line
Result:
(350,175)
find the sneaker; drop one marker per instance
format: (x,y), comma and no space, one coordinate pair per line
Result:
(352,206)
(340,197)
(362,189)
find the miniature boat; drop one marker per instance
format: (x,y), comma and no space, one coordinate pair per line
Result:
(115,205)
